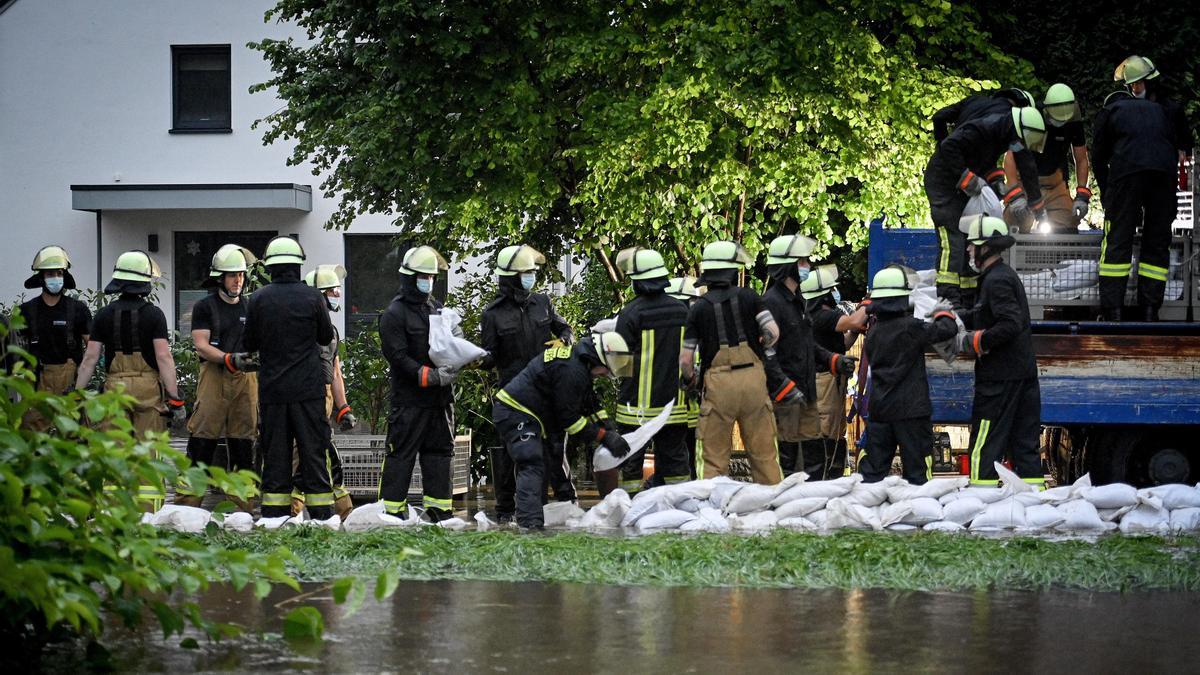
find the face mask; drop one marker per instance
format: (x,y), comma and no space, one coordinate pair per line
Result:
(332,304)
(54,285)
(227,294)
(837,296)
(527,280)
(803,272)
(424,285)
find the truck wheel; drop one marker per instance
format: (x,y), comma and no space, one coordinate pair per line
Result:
(1109,454)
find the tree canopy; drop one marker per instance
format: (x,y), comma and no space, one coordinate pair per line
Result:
(583,126)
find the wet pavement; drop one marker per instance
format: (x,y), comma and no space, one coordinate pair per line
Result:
(464,626)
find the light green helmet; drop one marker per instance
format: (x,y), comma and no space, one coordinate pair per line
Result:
(684,288)
(1031,128)
(981,229)
(724,255)
(136,266)
(512,260)
(820,281)
(1135,69)
(423,260)
(641,263)
(789,248)
(614,353)
(283,250)
(326,277)
(1060,105)
(231,258)
(891,282)
(52,257)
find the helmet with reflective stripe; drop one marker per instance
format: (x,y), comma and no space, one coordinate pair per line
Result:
(326,277)
(1060,105)
(423,260)
(820,281)
(891,282)
(283,250)
(981,229)
(614,353)
(52,257)
(790,248)
(724,255)
(1135,69)
(231,258)
(683,288)
(518,258)
(1031,128)
(641,263)
(136,266)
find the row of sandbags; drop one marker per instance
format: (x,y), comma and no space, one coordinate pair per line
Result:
(369,517)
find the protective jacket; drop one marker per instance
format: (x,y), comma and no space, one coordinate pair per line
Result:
(55,334)
(286,322)
(404,336)
(825,316)
(652,325)
(969,108)
(516,326)
(797,352)
(556,390)
(1001,318)
(896,346)
(978,145)
(1132,135)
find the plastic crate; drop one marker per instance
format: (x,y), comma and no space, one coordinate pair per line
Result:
(1062,270)
(362,460)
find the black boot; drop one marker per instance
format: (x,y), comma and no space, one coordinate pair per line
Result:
(813,458)
(1110,314)
(1149,313)
(789,457)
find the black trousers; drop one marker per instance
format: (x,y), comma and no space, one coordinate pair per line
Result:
(956,281)
(556,478)
(670,458)
(300,425)
(1145,199)
(425,435)
(240,450)
(824,458)
(914,437)
(1006,421)
(522,436)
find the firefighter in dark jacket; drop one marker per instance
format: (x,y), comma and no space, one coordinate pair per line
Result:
(948,118)
(1136,149)
(1006,414)
(421,421)
(553,395)
(731,328)
(899,392)
(797,411)
(685,290)
(56,326)
(962,167)
(836,326)
(652,324)
(515,327)
(287,323)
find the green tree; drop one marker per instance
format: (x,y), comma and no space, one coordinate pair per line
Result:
(584,126)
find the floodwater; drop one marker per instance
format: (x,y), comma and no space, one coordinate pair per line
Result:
(466,627)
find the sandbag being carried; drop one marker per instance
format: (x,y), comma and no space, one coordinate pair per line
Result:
(446,348)
(602,458)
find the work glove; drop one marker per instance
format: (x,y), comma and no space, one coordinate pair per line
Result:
(1083,198)
(995,179)
(971,184)
(345,419)
(1039,214)
(177,411)
(617,445)
(241,362)
(844,365)
(1015,199)
(942,305)
(788,394)
(970,342)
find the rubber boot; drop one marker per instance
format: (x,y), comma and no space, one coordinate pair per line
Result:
(789,457)
(812,455)
(343,506)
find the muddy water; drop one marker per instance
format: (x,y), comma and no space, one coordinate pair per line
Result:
(532,627)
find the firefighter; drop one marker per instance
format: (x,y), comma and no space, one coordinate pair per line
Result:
(731,328)
(328,279)
(652,325)
(974,107)
(56,326)
(835,328)
(516,327)
(131,334)
(1006,414)
(956,172)
(797,410)
(421,421)
(286,323)
(226,394)
(553,395)
(685,289)
(1064,141)
(1148,88)
(1136,148)
(899,392)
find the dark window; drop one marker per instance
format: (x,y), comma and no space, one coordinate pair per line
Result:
(201,88)
(193,257)
(373,277)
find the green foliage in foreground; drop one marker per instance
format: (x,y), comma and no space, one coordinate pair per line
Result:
(783,559)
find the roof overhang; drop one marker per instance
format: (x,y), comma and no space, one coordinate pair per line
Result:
(168,196)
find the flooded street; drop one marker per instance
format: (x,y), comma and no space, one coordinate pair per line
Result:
(464,626)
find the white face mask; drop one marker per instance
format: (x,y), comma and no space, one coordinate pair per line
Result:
(528,279)
(424,285)
(333,304)
(54,285)
(837,295)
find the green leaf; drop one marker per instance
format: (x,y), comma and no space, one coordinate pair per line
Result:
(189,643)
(386,584)
(304,623)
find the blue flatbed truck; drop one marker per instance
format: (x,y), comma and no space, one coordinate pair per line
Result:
(1119,400)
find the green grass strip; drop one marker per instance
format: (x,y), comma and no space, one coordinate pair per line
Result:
(782,559)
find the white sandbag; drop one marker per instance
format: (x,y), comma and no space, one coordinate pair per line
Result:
(692,489)
(723,489)
(1028,499)
(818,518)
(707,520)
(664,520)
(986,202)
(691,504)
(855,516)
(182,518)
(454,524)
(901,527)
(750,499)
(798,523)
(1076,274)
(609,512)
(869,494)
(800,507)
(1146,518)
(1006,514)
(963,511)
(943,526)
(645,503)
(923,510)
(482,522)
(602,458)
(1043,517)
(556,514)
(1011,480)
(1112,496)
(446,348)
(272,523)
(364,518)
(890,514)
(1185,519)
(1081,516)
(822,488)
(987,495)
(935,489)
(1174,496)
(239,521)
(1113,515)
(754,522)
(1065,493)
